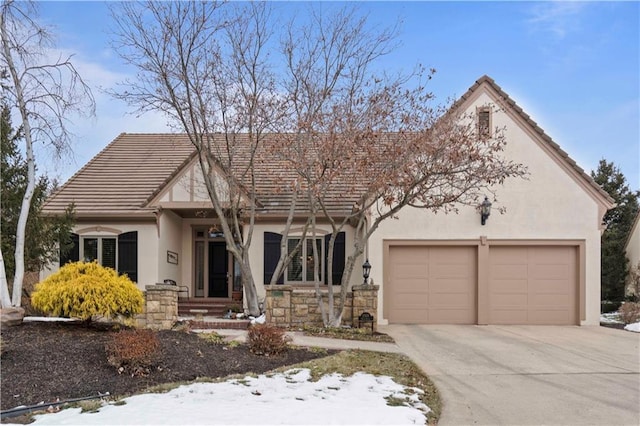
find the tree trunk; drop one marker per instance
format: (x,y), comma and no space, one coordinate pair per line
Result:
(250,292)
(31,170)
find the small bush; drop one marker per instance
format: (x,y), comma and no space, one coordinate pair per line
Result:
(133,351)
(83,290)
(630,312)
(264,339)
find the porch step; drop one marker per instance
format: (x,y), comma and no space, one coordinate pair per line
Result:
(211,324)
(214,308)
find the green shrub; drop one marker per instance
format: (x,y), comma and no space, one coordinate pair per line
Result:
(264,339)
(83,290)
(630,312)
(133,351)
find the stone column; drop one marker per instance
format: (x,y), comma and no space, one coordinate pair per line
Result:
(161,306)
(278,305)
(365,299)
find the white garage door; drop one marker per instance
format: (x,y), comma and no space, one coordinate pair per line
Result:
(431,285)
(533,285)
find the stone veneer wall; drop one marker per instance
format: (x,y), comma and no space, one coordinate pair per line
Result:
(160,311)
(289,306)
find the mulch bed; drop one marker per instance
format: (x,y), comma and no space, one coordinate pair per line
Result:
(44,361)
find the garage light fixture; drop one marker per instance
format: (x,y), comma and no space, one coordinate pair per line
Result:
(366,269)
(485,210)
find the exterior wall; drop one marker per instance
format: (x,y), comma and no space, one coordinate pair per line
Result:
(548,205)
(170,227)
(147,246)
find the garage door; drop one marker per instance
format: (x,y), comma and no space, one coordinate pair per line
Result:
(431,285)
(532,285)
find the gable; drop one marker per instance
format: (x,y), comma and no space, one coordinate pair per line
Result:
(187,189)
(546,156)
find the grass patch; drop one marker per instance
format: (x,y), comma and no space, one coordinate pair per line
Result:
(90,406)
(347,333)
(399,367)
(212,337)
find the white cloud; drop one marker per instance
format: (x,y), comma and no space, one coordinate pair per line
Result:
(557,17)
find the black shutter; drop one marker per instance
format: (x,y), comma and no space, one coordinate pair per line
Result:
(338,258)
(73,254)
(271,256)
(128,254)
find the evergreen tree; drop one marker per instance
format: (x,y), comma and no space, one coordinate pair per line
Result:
(619,221)
(43,234)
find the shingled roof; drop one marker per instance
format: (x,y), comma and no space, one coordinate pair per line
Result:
(124,177)
(120,179)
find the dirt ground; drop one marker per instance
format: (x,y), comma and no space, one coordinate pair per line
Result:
(44,361)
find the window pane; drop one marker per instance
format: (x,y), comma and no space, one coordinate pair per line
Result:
(294,271)
(310,273)
(109,252)
(199,268)
(90,249)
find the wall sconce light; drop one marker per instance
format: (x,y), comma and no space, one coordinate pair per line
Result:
(485,210)
(366,269)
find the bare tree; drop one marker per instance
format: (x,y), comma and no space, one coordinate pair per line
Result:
(376,141)
(205,65)
(44,92)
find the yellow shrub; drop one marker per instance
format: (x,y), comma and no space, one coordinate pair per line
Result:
(83,290)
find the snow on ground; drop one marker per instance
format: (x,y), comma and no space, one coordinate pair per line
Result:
(611,318)
(288,398)
(614,318)
(49,319)
(633,327)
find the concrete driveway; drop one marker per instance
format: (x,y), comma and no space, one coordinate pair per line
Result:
(534,375)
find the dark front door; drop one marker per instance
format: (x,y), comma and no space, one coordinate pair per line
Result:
(218,269)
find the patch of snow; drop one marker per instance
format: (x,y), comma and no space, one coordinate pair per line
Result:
(289,398)
(633,327)
(611,318)
(49,319)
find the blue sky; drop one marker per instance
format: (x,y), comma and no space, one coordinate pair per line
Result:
(572,66)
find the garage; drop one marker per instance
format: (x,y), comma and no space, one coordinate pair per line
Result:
(431,285)
(520,284)
(532,285)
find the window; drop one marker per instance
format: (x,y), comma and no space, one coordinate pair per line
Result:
(102,249)
(299,269)
(302,264)
(484,122)
(119,253)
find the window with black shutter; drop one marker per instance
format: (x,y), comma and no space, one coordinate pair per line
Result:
(339,252)
(271,256)
(128,254)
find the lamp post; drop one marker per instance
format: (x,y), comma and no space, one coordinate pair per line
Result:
(366,269)
(485,210)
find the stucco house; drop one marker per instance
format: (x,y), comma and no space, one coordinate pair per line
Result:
(141,210)
(632,247)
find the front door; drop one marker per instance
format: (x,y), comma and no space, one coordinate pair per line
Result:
(218,269)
